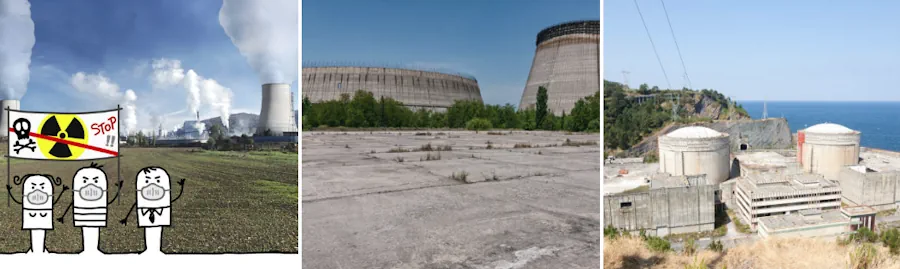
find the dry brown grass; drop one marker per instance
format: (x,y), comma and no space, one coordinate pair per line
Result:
(631,252)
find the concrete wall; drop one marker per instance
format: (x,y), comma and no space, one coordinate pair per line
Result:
(764,134)
(415,89)
(663,211)
(567,66)
(876,189)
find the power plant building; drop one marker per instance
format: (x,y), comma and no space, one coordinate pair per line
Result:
(696,150)
(566,63)
(827,148)
(414,88)
(765,195)
(673,205)
(277,115)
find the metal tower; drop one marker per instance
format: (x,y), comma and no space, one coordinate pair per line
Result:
(765,111)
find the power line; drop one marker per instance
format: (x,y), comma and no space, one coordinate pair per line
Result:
(683,66)
(652,44)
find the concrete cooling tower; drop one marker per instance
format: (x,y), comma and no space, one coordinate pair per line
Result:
(277,114)
(566,63)
(414,88)
(696,150)
(826,148)
(4,119)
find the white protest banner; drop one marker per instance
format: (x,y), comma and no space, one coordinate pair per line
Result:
(63,136)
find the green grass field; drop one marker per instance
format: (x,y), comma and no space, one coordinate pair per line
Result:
(233,202)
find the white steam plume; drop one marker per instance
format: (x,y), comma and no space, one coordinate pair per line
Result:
(16,42)
(200,91)
(106,93)
(265,32)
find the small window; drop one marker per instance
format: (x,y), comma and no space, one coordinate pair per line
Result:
(625,205)
(744,147)
(339,85)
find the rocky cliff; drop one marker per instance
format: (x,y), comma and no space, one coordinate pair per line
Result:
(773,133)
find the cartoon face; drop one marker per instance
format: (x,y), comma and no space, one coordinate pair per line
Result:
(37,192)
(89,185)
(153,187)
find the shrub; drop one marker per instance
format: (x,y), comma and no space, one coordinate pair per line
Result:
(658,244)
(610,232)
(690,246)
(715,245)
(864,235)
(478,124)
(891,239)
(863,256)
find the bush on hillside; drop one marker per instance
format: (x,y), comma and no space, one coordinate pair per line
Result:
(478,124)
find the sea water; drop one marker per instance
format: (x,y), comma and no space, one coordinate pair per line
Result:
(879,122)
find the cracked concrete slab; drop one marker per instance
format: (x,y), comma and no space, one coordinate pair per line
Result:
(543,213)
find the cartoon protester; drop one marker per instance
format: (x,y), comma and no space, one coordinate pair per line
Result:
(154,209)
(89,196)
(37,206)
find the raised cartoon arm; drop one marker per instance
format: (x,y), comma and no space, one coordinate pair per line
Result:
(9,191)
(125,220)
(60,219)
(180,192)
(61,194)
(118,189)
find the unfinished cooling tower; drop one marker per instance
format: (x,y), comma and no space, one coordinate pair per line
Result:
(696,150)
(4,120)
(566,63)
(277,114)
(416,89)
(827,148)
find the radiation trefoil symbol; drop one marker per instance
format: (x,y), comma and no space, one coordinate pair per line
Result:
(62,127)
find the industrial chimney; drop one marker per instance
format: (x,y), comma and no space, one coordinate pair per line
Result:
(276,114)
(4,120)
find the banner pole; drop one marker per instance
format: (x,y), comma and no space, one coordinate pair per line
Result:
(8,157)
(118,151)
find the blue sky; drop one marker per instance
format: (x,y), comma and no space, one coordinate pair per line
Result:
(492,40)
(755,50)
(118,39)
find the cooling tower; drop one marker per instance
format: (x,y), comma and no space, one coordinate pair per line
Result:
(4,121)
(414,88)
(696,150)
(826,148)
(566,63)
(276,114)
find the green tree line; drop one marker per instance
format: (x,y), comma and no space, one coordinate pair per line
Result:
(363,110)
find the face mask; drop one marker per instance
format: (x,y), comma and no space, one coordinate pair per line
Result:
(153,192)
(90,192)
(38,197)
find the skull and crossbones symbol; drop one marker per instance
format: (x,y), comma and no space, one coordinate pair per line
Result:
(22,128)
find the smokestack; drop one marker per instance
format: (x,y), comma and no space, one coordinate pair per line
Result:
(276,113)
(4,120)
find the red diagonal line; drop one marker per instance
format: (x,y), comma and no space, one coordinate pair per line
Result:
(71,143)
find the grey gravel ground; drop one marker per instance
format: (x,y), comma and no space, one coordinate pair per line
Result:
(535,207)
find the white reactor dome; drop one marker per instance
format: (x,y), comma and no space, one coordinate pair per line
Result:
(827,148)
(696,150)
(695,132)
(829,128)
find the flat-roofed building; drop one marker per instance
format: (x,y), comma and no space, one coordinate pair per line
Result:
(860,216)
(805,223)
(772,194)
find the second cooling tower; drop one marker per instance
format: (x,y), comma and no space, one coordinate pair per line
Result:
(566,63)
(277,112)
(4,120)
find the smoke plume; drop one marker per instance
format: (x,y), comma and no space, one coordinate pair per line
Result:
(16,42)
(105,92)
(265,32)
(200,91)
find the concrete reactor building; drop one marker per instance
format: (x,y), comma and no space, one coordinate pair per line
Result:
(4,118)
(277,114)
(566,63)
(416,89)
(696,150)
(827,148)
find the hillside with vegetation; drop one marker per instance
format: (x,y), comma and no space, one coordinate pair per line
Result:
(628,121)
